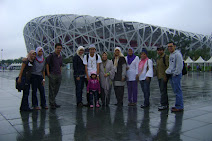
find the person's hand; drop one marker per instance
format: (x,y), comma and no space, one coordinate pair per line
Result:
(19,80)
(99,92)
(123,79)
(147,79)
(127,68)
(78,78)
(105,75)
(43,83)
(165,79)
(87,92)
(88,78)
(137,77)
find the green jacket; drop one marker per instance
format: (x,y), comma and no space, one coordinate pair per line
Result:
(162,65)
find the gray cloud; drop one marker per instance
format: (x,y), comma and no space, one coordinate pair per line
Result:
(189,15)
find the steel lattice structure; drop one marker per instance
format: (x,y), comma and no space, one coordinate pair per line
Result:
(106,33)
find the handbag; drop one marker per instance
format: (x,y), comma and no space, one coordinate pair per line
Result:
(20,86)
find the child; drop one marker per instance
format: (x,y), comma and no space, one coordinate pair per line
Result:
(93,89)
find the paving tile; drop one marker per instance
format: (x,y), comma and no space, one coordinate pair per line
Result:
(202,133)
(111,123)
(6,128)
(204,118)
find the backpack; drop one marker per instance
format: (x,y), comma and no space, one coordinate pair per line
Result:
(89,55)
(184,70)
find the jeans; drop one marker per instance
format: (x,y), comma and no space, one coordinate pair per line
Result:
(93,94)
(145,86)
(176,86)
(163,91)
(24,101)
(79,87)
(54,85)
(37,81)
(132,91)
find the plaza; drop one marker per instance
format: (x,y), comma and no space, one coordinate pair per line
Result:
(108,123)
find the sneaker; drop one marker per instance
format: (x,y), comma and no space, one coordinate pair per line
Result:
(26,110)
(177,110)
(130,104)
(97,105)
(144,106)
(162,107)
(53,107)
(134,104)
(57,106)
(45,107)
(86,105)
(36,108)
(80,104)
(91,106)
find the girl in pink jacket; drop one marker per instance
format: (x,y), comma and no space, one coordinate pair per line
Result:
(93,88)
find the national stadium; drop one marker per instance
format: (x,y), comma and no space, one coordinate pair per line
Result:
(73,31)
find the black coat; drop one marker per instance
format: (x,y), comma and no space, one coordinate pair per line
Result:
(78,66)
(118,74)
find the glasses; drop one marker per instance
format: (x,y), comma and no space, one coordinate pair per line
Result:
(170,46)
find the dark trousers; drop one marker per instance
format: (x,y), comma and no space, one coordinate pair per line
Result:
(54,85)
(163,91)
(132,91)
(145,86)
(87,95)
(24,101)
(79,87)
(91,95)
(119,92)
(37,83)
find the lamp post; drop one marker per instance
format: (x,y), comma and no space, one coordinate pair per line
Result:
(1,54)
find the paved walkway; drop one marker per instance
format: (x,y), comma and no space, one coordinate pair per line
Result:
(108,124)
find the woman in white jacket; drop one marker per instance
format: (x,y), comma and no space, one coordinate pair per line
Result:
(145,72)
(132,70)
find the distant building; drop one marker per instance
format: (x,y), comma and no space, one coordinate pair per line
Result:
(106,33)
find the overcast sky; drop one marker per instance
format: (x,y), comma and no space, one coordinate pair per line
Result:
(188,15)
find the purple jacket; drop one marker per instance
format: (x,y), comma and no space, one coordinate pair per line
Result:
(93,84)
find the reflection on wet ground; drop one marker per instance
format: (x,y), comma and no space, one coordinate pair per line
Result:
(108,123)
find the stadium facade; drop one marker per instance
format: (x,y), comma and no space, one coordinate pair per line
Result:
(106,33)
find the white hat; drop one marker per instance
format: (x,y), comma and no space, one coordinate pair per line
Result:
(92,46)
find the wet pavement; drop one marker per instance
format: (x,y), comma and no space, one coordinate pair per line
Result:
(108,123)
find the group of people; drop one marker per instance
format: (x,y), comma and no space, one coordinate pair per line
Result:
(33,71)
(100,73)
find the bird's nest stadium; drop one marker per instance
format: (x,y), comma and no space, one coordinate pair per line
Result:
(106,33)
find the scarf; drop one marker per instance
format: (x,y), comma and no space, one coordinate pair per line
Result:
(130,58)
(141,65)
(40,59)
(116,61)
